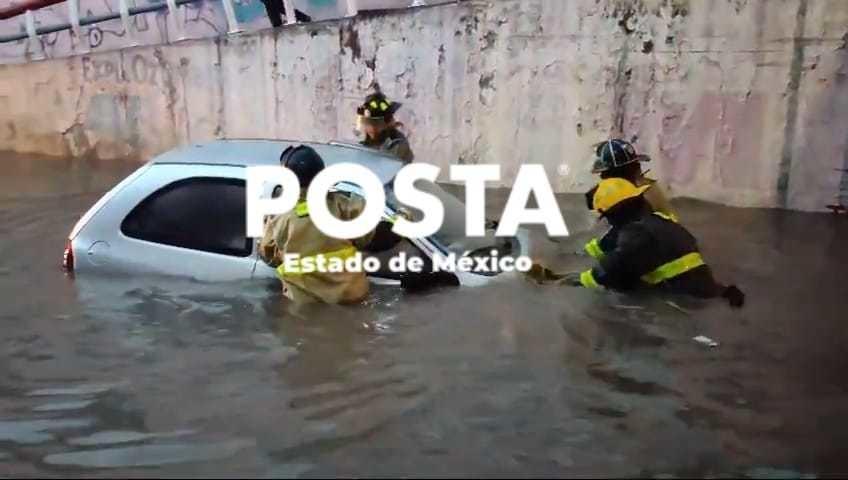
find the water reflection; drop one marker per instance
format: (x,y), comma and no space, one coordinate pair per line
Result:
(132,376)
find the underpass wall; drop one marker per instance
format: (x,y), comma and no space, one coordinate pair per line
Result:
(743,102)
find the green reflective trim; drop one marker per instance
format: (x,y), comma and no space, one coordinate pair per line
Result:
(588,280)
(594,250)
(282,273)
(674,268)
(342,254)
(667,216)
(301,209)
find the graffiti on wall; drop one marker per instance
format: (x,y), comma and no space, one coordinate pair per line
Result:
(138,69)
(197,20)
(202,19)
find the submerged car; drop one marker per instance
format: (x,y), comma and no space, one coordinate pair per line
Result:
(183,214)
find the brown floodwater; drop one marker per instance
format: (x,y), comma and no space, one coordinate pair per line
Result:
(139,377)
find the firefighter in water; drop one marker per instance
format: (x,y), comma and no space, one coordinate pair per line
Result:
(376,119)
(648,249)
(618,159)
(294,232)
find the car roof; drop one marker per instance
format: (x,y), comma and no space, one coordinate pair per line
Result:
(263,152)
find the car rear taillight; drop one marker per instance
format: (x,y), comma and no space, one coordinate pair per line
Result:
(68,257)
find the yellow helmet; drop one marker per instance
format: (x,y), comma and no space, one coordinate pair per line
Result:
(612,191)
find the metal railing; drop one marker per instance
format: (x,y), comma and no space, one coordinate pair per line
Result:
(75,22)
(20,7)
(125,12)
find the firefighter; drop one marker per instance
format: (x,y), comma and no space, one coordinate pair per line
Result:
(618,159)
(294,232)
(647,249)
(376,119)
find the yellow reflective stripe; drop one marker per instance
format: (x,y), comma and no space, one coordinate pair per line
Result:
(301,209)
(282,273)
(593,248)
(674,268)
(588,280)
(667,216)
(342,254)
(384,106)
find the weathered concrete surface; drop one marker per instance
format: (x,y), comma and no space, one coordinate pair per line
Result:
(738,101)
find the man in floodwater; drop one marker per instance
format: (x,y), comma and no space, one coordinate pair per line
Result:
(649,249)
(295,233)
(618,159)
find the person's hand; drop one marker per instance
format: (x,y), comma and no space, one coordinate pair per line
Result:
(572,279)
(405,213)
(735,297)
(422,281)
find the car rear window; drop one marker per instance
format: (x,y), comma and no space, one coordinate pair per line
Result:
(200,213)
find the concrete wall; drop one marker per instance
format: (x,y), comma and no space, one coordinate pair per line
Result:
(738,101)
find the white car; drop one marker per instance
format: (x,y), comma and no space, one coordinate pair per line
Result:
(183,214)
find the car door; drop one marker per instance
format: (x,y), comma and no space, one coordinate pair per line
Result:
(178,219)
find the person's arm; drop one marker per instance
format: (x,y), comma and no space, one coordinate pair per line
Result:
(401,149)
(269,250)
(597,248)
(622,268)
(348,208)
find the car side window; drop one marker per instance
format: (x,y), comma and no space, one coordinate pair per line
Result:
(200,213)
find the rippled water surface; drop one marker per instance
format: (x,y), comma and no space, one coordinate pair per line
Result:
(141,377)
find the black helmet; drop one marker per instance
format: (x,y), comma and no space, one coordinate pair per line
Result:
(304,161)
(377,107)
(615,153)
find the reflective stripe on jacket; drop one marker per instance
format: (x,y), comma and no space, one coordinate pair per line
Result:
(664,272)
(653,250)
(596,248)
(295,233)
